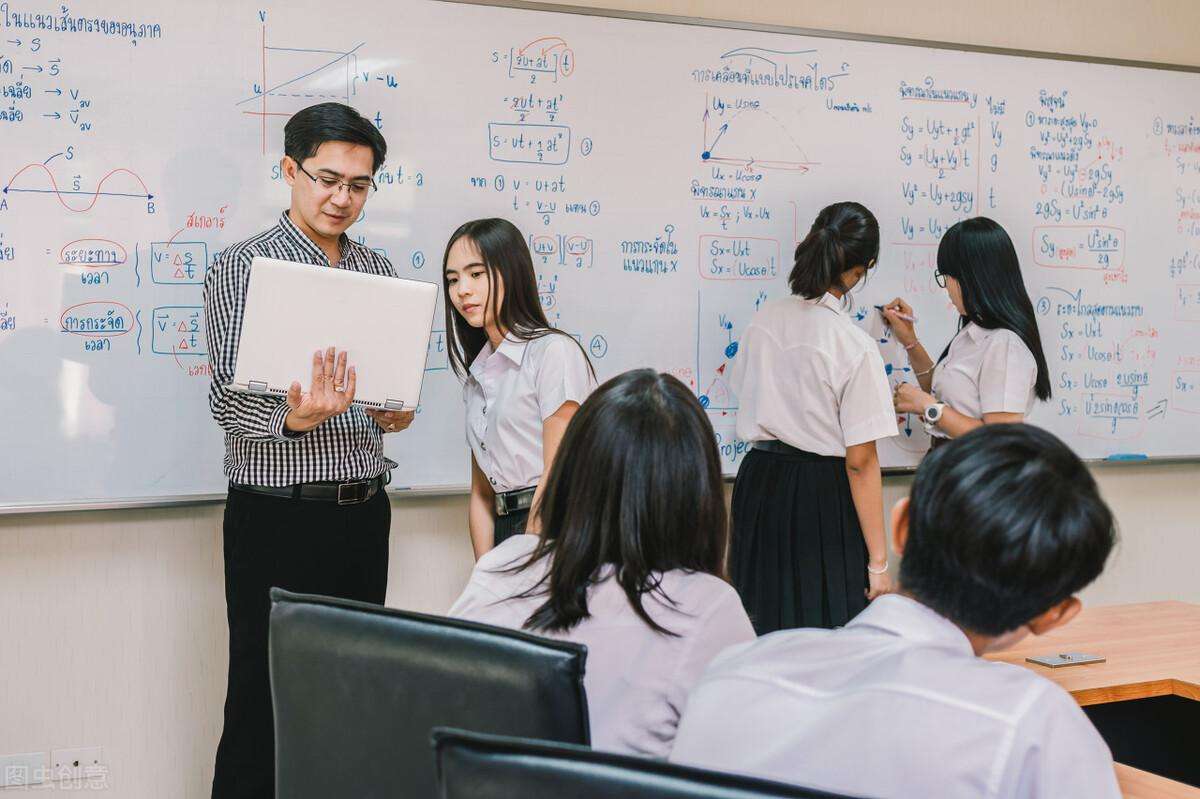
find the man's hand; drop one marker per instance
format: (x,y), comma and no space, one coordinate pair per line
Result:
(330,394)
(392,421)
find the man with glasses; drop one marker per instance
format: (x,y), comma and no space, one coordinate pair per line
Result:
(306,509)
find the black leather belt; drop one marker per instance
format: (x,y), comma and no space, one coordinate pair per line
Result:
(354,492)
(778,447)
(513,501)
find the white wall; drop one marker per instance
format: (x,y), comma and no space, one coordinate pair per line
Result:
(112,628)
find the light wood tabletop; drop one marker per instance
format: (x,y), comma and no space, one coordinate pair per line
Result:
(1151,649)
(1138,784)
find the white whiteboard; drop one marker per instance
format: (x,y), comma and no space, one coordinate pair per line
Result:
(663,172)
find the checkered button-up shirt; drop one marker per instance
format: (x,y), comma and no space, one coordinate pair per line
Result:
(258,451)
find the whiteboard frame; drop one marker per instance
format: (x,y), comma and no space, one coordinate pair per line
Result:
(459,490)
(671,19)
(647,16)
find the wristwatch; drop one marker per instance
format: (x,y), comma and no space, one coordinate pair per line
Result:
(932,414)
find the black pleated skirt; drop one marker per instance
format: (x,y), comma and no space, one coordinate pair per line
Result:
(797,555)
(509,525)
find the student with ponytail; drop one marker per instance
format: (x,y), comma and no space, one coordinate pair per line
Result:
(994,369)
(808,546)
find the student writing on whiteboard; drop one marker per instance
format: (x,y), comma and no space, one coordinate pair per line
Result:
(808,545)
(306,509)
(631,560)
(523,379)
(994,368)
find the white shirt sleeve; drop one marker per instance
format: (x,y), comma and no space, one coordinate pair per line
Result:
(490,580)
(1058,752)
(563,375)
(865,407)
(1007,374)
(724,626)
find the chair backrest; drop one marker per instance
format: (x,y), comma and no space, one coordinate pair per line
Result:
(479,766)
(358,688)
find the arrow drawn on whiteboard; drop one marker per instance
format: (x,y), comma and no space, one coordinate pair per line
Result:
(1158,409)
(95,195)
(1077,295)
(720,133)
(559,42)
(756,52)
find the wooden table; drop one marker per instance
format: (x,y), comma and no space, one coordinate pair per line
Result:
(1138,784)
(1152,649)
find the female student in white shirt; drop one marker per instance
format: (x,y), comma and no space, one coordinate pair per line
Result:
(808,545)
(994,369)
(523,379)
(630,561)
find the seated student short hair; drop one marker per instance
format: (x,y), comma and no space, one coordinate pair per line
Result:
(1004,523)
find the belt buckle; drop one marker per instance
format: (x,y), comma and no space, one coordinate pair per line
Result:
(501,505)
(355,499)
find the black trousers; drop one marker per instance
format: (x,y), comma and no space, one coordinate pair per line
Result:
(300,545)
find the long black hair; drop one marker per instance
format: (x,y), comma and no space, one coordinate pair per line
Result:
(844,235)
(520,315)
(979,254)
(635,485)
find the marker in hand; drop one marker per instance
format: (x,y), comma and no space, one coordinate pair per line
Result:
(903,316)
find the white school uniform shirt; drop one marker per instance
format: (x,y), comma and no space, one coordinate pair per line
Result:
(509,393)
(636,680)
(894,704)
(986,371)
(806,375)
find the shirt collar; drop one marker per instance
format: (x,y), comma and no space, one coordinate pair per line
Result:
(976,332)
(511,348)
(831,302)
(912,621)
(301,239)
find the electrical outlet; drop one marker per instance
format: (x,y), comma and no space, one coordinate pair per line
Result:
(26,769)
(75,764)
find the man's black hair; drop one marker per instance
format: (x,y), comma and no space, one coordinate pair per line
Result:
(1004,523)
(307,130)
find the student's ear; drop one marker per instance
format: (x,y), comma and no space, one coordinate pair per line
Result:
(900,526)
(288,169)
(1056,616)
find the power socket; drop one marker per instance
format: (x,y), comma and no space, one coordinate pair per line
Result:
(25,769)
(76,764)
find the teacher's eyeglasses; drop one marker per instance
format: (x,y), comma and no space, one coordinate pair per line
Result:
(358,188)
(940,278)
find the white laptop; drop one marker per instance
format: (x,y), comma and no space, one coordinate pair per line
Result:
(292,310)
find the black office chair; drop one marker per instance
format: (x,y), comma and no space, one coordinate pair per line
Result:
(477,766)
(357,689)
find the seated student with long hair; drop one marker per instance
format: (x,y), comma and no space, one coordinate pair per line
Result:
(809,547)
(1002,527)
(994,369)
(523,380)
(630,562)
